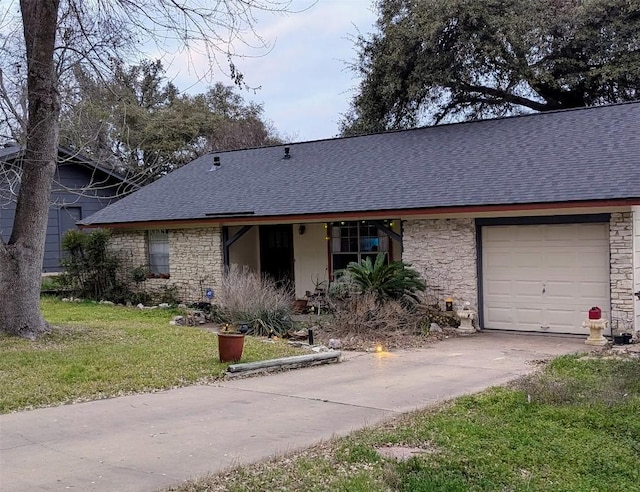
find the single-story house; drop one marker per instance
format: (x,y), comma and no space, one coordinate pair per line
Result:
(531,220)
(81,188)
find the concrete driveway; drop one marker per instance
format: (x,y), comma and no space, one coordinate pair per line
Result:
(150,441)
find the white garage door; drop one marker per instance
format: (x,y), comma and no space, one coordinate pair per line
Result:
(544,278)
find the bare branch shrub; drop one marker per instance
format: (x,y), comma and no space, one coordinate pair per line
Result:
(246,297)
(364,314)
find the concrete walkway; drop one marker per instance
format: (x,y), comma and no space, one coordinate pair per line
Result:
(147,442)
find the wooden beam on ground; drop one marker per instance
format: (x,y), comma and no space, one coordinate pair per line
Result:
(294,362)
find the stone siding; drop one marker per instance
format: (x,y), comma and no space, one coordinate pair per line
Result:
(444,252)
(621,278)
(195,260)
(636,266)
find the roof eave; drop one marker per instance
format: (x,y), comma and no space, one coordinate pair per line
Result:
(366,214)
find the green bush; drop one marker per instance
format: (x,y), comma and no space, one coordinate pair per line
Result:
(388,281)
(90,268)
(50,283)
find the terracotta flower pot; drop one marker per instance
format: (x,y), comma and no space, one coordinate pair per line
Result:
(230,346)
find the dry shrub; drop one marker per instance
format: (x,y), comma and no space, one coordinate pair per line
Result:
(364,314)
(246,297)
(362,321)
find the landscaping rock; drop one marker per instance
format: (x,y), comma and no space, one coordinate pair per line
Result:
(334,343)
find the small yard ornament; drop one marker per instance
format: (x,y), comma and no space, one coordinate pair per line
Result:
(448,304)
(596,326)
(466,316)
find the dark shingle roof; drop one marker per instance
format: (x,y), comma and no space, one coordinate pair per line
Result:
(12,152)
(574,155)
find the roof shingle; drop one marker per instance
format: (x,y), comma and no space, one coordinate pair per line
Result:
(573,155)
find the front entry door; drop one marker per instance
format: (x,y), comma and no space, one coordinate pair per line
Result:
(276,253)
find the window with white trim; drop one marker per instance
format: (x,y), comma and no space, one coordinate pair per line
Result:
(158,242)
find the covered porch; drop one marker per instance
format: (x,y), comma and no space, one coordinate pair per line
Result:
(305,255)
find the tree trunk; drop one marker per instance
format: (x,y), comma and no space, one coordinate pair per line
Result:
(21,258)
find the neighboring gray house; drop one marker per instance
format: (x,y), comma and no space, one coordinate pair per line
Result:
(81,188)
(532,220)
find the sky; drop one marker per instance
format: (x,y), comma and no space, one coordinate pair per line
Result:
(304,83)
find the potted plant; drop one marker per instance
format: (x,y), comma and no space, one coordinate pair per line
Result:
(231,342)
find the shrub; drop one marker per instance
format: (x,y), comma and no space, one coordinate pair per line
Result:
(364,313)
(388,281)
(50,283)
(245,297)
(90,268)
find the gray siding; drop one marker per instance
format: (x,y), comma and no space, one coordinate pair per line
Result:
(66,204)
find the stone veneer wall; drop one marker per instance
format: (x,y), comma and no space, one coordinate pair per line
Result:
(621,277)
(636,265)
(444,252)
(195,259)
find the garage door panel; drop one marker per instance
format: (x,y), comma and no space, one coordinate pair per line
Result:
(560,258)
(535,234)
(498,234)
(594,290)
(559,291)
(500,314)
(544,277)
(529,320)
(529,316)
(499,288)
(564,321)
(527,274)
(592,262)
(593,232)
(526,288)
(499,258)
(523,260)
(561,234)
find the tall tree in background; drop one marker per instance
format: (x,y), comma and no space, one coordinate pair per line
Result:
(441,60)
(57,36)
(139,124)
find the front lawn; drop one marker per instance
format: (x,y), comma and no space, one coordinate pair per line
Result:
(573,427)
(97,351)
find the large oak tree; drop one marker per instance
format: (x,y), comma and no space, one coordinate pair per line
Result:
(58,35)
(440,60)
(140,125)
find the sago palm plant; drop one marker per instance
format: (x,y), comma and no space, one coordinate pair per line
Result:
(393,280)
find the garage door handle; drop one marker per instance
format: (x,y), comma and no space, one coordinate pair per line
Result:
(544,288)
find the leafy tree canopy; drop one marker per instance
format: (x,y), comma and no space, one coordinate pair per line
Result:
(439,60)
(140,124)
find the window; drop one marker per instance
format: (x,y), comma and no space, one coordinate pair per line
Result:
(159,252)
(355,241)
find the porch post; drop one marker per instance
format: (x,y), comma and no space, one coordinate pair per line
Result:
(227,241)
(225,247)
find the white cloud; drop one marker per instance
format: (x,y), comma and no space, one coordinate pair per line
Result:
(304,83)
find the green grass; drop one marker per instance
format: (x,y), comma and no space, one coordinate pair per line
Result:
(97,351)
(573,427)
